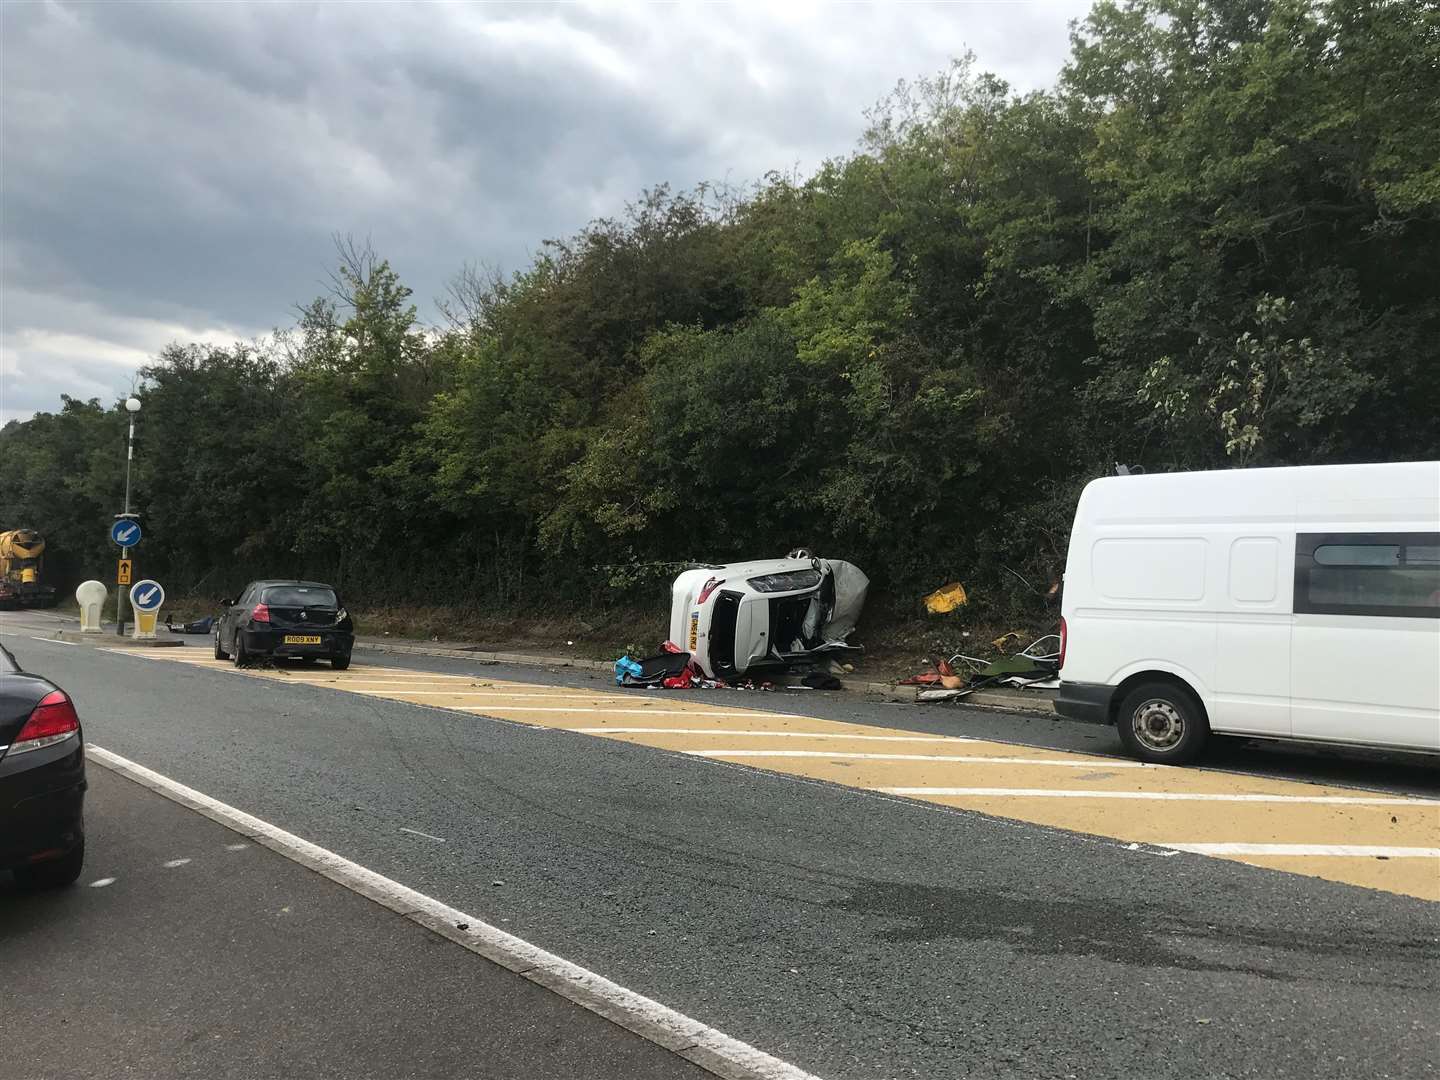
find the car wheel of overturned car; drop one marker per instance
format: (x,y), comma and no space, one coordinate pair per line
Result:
(55,874)
(1162,723)
(220,654)
(340,663)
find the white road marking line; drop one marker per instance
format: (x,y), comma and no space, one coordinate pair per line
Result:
(323,679)
(145,654)
(341,680)
(175,862)
(974,759)
(236,847)
(100,883)
(417,832)
(1177,796)
(699,1043)
(473,694)
(1351,850)
(770,734)
(51,640)
(619,712)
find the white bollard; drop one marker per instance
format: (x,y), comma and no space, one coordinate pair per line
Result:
(90,595)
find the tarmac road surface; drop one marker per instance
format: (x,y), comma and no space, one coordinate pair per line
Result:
(856,889)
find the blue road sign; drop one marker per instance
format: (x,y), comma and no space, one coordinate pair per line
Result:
(147,595)
(125,533)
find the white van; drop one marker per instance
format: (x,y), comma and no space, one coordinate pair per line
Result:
(1294,603)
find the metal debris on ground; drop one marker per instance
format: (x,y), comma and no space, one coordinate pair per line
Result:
(1037,666)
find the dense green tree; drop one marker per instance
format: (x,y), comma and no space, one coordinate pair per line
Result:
(1214,243)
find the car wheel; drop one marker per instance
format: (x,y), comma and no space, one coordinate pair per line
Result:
(1162,723)
(220,654)
(55,874)
(340,663)
(237,651)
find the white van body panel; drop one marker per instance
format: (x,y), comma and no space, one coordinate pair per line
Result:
(1195,575)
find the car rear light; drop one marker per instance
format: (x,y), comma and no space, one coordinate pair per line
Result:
(52,721)
(260,614)
(1064,639)
(710,586)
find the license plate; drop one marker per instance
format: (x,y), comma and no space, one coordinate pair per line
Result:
(302,639)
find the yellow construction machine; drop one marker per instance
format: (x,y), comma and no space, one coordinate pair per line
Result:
(22,558)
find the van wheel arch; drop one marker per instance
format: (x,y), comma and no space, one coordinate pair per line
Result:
(1123,690)
(1160,719)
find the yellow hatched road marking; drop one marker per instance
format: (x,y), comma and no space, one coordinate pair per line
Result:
(1376,840)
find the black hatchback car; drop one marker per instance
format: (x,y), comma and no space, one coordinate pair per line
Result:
(42,780)
(301,619)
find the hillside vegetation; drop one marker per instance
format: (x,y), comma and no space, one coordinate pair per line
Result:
(1215,242)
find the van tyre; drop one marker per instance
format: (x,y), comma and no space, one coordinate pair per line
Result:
(55,874)
(1162,723)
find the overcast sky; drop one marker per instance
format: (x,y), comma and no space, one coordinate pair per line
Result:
(176,171)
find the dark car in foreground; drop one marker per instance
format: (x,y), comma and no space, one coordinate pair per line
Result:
(272,619)
(42,780)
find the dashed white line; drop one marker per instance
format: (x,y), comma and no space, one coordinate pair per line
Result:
(51,640)
(1176,796)
(175,862)
(417,832)
(697,1042)
(236,847)
(100,883)
(1375,851)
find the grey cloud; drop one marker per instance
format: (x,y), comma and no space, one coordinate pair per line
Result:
(185,164)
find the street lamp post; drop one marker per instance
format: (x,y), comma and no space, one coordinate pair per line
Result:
(132,406)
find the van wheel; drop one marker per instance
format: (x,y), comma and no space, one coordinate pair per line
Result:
(1162,723)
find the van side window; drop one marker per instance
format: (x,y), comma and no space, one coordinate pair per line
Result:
(1395,574)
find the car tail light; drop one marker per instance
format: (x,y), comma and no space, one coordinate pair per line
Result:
(52,721)
(1064,640)
(260,614)
(710,586)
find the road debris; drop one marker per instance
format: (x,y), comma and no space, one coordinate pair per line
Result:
(946,599)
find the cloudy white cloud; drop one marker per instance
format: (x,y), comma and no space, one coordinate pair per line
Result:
(176,171)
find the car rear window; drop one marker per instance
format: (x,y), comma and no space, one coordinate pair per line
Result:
(300,596)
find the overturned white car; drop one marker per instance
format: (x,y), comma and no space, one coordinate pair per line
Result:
(744,618)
